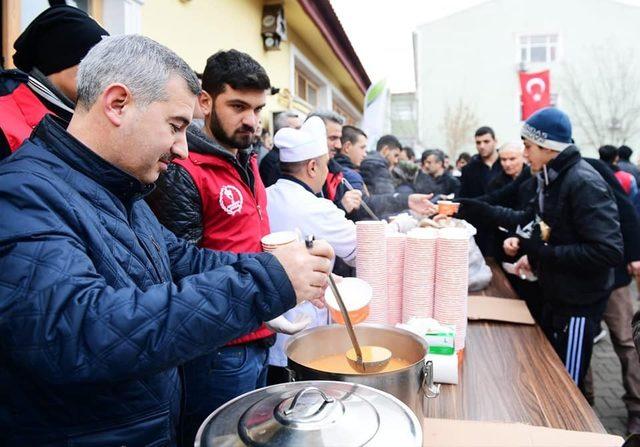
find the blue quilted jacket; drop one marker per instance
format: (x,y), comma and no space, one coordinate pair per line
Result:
(99,303)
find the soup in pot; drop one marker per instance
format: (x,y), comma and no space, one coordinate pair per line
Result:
(338,363)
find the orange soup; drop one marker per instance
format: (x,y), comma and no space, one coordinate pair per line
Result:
(338,363)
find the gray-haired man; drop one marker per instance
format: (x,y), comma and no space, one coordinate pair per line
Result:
(98,302)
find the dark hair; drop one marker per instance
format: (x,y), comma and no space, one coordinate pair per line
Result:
(485,130)
(624,152)
(464,156)
(264,132)
(410,153)
(608,153)
(424,155)
(351,134)
(235,68)
(388,140)
(292,167)
(436,153)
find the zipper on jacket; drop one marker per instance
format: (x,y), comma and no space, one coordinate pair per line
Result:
(259,211)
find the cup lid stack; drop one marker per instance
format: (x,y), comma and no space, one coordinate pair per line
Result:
(452,280)
(395,274)
(371,265)
(419,273)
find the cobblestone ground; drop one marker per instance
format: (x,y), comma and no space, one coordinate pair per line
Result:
(608,384)
(608,388)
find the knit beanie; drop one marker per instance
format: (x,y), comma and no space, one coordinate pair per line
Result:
(549,128)
(57,39)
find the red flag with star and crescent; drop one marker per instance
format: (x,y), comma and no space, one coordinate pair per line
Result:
(535,92)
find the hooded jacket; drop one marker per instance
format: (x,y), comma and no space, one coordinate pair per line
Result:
(99,302)
(382,205)
(215,200)
(585,242)
(24,101)
(375,172)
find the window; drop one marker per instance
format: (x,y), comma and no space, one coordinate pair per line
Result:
(343,112)
(538,48)
(306,89)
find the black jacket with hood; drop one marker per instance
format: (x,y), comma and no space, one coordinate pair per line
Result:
(576,265)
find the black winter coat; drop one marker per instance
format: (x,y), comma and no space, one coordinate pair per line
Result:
(585,243)
(270,167)
(375,172)
(629,222)
(383,205)
(476,177)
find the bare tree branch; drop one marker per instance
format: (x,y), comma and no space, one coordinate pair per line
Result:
(458,124)
(602,93)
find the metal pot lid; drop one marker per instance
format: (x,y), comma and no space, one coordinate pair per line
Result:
(315,413)
(309,417)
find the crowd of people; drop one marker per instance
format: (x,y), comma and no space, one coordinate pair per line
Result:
(135,298)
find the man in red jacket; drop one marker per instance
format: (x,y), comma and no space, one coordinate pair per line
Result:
(216,199)
(47,55)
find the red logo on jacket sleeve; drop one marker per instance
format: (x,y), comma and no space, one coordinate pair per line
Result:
(230,199)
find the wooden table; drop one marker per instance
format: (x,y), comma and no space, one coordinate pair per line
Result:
(511,373)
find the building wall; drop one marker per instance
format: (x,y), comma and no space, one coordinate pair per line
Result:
(196,29)
(223,24)
(473,55)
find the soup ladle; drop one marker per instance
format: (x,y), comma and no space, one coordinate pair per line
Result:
(375,358)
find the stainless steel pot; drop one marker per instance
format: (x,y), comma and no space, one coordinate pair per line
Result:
(309,414)
(409,384)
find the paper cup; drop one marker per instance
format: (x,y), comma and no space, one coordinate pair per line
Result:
(356,295)
(279,239)
(447,207)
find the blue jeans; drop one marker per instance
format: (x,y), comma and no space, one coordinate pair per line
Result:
(212,380)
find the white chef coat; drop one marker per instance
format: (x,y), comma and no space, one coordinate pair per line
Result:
(291,205)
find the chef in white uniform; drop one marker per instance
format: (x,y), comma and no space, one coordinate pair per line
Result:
(294,202)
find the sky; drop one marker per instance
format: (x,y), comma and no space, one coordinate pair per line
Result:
(382,35)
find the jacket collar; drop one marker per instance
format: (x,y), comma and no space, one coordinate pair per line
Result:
(299,182)
(567,158)
(377,158)
(67,148)
(344,161)
(198,141)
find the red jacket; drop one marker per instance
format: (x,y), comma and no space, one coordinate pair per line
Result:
(234,218)
(20,109)
(215,200)
(625,179)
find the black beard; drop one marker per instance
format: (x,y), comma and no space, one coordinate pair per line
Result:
(221,136)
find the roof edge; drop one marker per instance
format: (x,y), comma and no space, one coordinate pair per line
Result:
(322,14)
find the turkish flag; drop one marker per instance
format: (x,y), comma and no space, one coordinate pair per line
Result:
(535,92)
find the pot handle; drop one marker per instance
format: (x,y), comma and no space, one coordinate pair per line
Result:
(429,388)
(291,374)
(299,394)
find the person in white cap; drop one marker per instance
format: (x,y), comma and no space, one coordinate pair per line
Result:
(294,203)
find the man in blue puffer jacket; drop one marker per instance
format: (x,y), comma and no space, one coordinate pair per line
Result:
(99,303)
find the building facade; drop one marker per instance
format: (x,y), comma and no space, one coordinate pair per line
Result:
(315,65)
(467,67)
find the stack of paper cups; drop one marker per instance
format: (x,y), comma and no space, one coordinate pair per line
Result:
(419,273)
(395,274)
(371,266)
(452,279)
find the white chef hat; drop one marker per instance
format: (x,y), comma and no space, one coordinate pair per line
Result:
(310,141)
